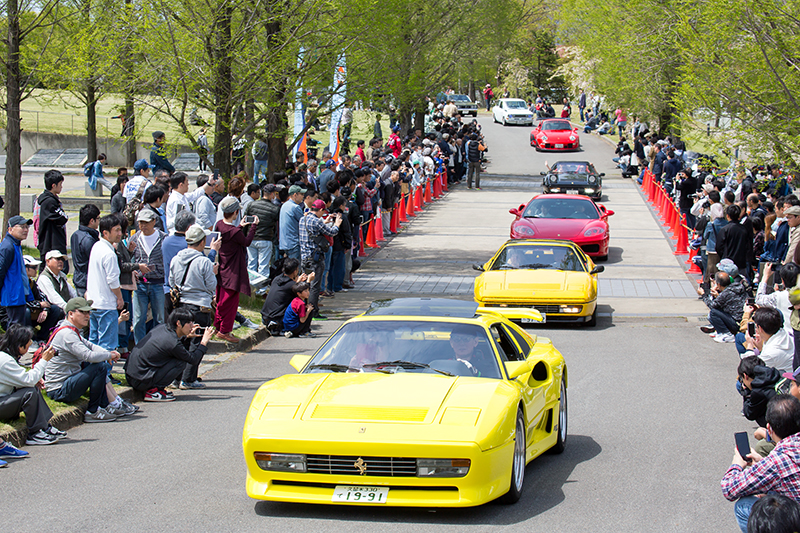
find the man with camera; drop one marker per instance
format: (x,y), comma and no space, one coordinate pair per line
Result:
(313,245)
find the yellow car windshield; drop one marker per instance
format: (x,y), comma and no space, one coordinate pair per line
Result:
(449,348)
(538,257)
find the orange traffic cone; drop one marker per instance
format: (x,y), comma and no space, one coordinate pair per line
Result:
(418,199)
(444,182)
(371,234)
(427,197)
(437,186)
(683,240)
(379,226)
(403,209)
(693,269)
(394,222)
(361,252)
(410,204)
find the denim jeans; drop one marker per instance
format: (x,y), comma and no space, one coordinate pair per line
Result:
(124,332)
(293,252)
(742,510)
(147,293)
(103,329)
(723,322)
(325,282)
(337,271)
(259,255)
(259,166)
(92,377)
(740,338)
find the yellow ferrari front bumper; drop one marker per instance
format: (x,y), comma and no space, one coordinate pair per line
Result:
(488,477)
(580,311)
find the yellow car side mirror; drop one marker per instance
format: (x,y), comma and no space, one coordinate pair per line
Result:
(517,368)
(299,361)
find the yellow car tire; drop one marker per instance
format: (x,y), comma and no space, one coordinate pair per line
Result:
(518,463)
(561,441)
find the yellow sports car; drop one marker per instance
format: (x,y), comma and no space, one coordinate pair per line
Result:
(417,402)
(554,277)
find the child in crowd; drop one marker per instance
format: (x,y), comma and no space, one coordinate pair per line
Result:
(296,319)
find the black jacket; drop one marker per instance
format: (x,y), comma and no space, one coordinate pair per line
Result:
(158,348)
(687,187)
(754,405)
(52,224)
(343,240)
(735,242)
(81,243)
(279,297)
(268,216)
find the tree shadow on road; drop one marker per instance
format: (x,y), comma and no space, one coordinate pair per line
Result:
(545,478)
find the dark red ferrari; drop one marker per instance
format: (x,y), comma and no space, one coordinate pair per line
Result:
(564,216)
(555,134)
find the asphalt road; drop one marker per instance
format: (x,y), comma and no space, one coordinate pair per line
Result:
(652,406)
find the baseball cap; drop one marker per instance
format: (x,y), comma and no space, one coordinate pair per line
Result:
(17,220)
(78,304)
(141,164)
(229,204)
(294,189)
(54,254)
(728,266)
(146,215)
(794,210)
(157,134)
(195,234)
(794,376)
(30,260)
(318,205)
(329,163)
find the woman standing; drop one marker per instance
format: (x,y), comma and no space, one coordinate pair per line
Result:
(18,392)
(232,278)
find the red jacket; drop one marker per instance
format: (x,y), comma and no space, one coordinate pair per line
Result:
(394,144)
(233,257)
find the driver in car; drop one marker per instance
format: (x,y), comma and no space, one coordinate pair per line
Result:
(374,349)
(464,342)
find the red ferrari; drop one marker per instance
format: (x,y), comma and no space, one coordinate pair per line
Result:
(555,134)
(564,216)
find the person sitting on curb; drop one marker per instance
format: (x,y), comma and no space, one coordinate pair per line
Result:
(775,347)
(296,318)
(757,386)
(18,392)
(53,282)
(280,295)
(80,364)
(160,358)
(775,473)
(725,301)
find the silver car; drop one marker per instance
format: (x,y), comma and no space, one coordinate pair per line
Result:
(464,104)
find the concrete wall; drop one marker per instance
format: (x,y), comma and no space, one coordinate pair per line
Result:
(111,146)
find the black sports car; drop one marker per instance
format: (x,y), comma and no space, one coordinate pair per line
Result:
(573,177)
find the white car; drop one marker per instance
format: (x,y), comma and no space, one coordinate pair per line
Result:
(512,111)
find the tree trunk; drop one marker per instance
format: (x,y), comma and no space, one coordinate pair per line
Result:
(471,90)
(13,128)
(249,117)
(404,118)
(277,126)
(130,131)
(91,121)
(222,91)
(419,118)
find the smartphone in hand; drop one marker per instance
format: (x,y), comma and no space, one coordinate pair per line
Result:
(751,329)
(742,444)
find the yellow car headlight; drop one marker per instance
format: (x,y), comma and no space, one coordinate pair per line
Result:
(281,462)
(442,467)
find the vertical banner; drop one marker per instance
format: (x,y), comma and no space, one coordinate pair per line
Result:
(299,111)
(337,104)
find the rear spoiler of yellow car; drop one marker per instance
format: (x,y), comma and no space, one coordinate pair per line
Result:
(525,315)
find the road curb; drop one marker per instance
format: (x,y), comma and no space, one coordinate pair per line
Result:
(73,416)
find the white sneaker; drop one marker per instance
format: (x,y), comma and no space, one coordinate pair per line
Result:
(725,337)
(713,334)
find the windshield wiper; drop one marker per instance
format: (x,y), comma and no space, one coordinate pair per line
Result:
(333,366)
(403,364)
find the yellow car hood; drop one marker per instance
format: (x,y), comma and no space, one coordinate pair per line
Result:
(396,407)
(534,284)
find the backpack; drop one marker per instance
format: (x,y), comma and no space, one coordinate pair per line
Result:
(133,207)
(174,296)
(88,169)
(37,355)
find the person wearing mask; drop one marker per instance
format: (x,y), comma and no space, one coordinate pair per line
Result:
(150,289)
(18,392)
(232,279)
(52,218)
(195,275)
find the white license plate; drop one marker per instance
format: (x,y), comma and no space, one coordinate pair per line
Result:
(573,191)
(532,321)
(351,494)
(559,146)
